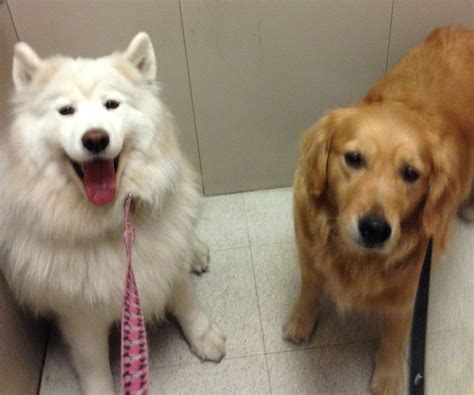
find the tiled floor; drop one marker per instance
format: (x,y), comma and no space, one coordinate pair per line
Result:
(252,283)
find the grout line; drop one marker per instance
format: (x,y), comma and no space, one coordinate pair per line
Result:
(200,363)
(229,248)
(192,98)
(239,247)
(289,241)
(257,296)
(389,36)
(263,189)
(266,353)
(438,331)
(13,21)
(45,355)
(326,346)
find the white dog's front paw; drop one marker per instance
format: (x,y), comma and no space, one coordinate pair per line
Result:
(210,345)
(200,263)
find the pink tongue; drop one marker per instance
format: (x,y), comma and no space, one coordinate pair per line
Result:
(99,181)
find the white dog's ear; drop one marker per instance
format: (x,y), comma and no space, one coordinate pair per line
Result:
(26,63)
(141,54)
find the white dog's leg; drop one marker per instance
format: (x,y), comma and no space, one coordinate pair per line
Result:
(200,262)
(205,338)
(87,337)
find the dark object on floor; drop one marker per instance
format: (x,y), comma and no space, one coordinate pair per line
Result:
(418,330)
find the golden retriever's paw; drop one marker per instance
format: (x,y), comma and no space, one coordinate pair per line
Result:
(388,382)
(210,346)
(200,263)
(298,328)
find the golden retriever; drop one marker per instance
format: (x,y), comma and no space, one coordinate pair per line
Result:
(374,182)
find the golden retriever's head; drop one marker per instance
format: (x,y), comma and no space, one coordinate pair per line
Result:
(382,173)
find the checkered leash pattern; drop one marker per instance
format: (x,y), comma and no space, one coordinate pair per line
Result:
(134,350)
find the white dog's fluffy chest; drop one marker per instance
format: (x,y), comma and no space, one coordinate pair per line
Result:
(55,277)
(57,274)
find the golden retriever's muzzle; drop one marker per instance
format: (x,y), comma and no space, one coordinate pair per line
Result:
(374,231)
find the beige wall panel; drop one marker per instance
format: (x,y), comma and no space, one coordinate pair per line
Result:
(7,40)
(263,71)
(413,20)
(94,28)
(22,342)
(22,347)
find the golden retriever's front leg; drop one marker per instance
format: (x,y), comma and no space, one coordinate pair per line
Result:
(300,324)
(388,377)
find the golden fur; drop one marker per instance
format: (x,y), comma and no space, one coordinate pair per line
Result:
(419,115)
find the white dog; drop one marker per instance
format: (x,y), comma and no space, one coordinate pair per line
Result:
(85,133)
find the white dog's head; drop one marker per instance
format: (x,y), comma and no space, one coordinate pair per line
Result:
(95,121)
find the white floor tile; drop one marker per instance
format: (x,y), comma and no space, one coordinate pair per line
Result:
(256,228)
(344,369)
(232,376)
(450,362)
(58,374)
(238,375)
(277,275)
(269,215)
(222,222)
(451,304)
(59,377)
(227,293)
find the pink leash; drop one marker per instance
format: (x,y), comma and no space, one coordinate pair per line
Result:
(134,349)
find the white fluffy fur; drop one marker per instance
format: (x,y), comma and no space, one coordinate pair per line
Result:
(65,256)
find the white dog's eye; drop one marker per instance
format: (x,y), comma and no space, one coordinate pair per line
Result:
(111,104)
(66,110)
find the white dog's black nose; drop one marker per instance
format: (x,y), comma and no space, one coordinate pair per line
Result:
(374,230)
(95,140)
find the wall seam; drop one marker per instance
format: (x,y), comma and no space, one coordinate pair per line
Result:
(43,362)
(13,21)
(389,36)
(192,98)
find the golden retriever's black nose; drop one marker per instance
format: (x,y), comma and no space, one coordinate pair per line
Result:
(374,230)
(95,140)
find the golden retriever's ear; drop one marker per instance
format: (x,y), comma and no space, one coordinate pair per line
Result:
(315,146)
(444,191)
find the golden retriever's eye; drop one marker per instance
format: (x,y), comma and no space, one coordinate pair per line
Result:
(66,110)
(354,159)
(410,174)
(111,104)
